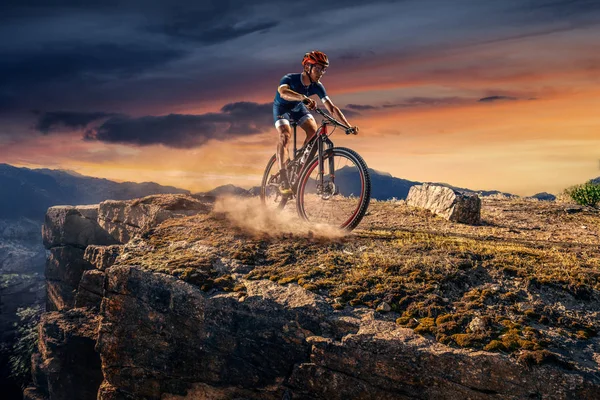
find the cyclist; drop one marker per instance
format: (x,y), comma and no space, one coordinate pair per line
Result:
(292,101)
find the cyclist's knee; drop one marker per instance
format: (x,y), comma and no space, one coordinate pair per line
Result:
(284,135)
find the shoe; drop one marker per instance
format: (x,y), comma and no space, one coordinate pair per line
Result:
(284,184)
(284,188)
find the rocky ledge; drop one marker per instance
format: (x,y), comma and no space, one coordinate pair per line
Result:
(163,298)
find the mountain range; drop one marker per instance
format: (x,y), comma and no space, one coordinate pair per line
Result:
(383,186)
(29,192)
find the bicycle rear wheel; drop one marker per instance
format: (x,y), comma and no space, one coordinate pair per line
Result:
(344,196)
(269,190)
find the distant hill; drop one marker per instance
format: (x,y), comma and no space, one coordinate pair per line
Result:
(29,192)
(226,190)
(544,196)
(383,186)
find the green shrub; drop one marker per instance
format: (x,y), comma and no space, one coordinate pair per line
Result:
(26,343)
(587,194)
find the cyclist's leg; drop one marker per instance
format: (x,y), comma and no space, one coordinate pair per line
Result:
(284,133)
(306,121)
(310,127)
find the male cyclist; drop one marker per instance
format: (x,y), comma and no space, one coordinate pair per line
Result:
(291,102)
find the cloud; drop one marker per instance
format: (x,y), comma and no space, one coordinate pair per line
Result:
(49,121)
(219,33)
(185,131)
(355,55)
(178,131)
(361,107)
(77,61)
(349,113)
(415,102)
(560,9)
(496,98)
(164,57)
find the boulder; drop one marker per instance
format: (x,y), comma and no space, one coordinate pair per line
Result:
(443,201)
(74,226)
(125,219)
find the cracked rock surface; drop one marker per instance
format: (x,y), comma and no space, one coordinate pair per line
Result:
(184,304)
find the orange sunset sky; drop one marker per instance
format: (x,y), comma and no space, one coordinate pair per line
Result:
(478,95)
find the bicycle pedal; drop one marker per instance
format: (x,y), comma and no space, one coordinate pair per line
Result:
(285,191)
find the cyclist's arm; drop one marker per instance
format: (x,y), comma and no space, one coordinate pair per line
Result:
(335,112)
(288,94)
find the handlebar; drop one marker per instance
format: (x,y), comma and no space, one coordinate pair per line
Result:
(347,129)
(334,121)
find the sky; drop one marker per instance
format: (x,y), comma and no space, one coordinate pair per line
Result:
(486,95)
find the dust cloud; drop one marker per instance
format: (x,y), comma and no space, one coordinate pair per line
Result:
(254,217)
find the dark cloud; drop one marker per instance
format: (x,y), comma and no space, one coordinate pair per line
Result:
(6,103)
(496,98)
(49,121)
(173,130)
(186,131)
(217,34)
(349,113)
(122,55)
(428,101)
(355,55)
(361,107)
(562,8)
(71,62)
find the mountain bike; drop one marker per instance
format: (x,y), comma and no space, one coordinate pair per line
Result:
(331,185)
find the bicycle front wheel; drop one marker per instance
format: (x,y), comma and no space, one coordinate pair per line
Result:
(342,196)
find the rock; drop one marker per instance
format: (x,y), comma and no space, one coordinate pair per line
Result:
(443,201)
(102,257)
(34,393)
(382,361)
(384,307)
(125,219)
(91,289)
(64,269)
(158,337)
(69,367)
(573,210)
(74,226)
(174,334)
(477,325)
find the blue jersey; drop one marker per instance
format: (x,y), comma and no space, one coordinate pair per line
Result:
(295,83)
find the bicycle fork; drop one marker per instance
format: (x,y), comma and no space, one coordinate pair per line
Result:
(323,141)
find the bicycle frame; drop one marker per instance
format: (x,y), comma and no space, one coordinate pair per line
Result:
(323,143)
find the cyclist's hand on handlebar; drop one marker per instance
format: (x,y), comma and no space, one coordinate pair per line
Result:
(354,130)
(310,103)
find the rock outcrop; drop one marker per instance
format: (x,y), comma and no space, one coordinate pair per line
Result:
(67,365)
(126,331)
(445,202)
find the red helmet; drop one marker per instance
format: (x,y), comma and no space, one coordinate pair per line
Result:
(315,57)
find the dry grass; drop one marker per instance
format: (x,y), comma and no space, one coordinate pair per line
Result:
(525,282)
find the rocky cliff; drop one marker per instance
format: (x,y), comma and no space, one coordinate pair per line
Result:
(168,298)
